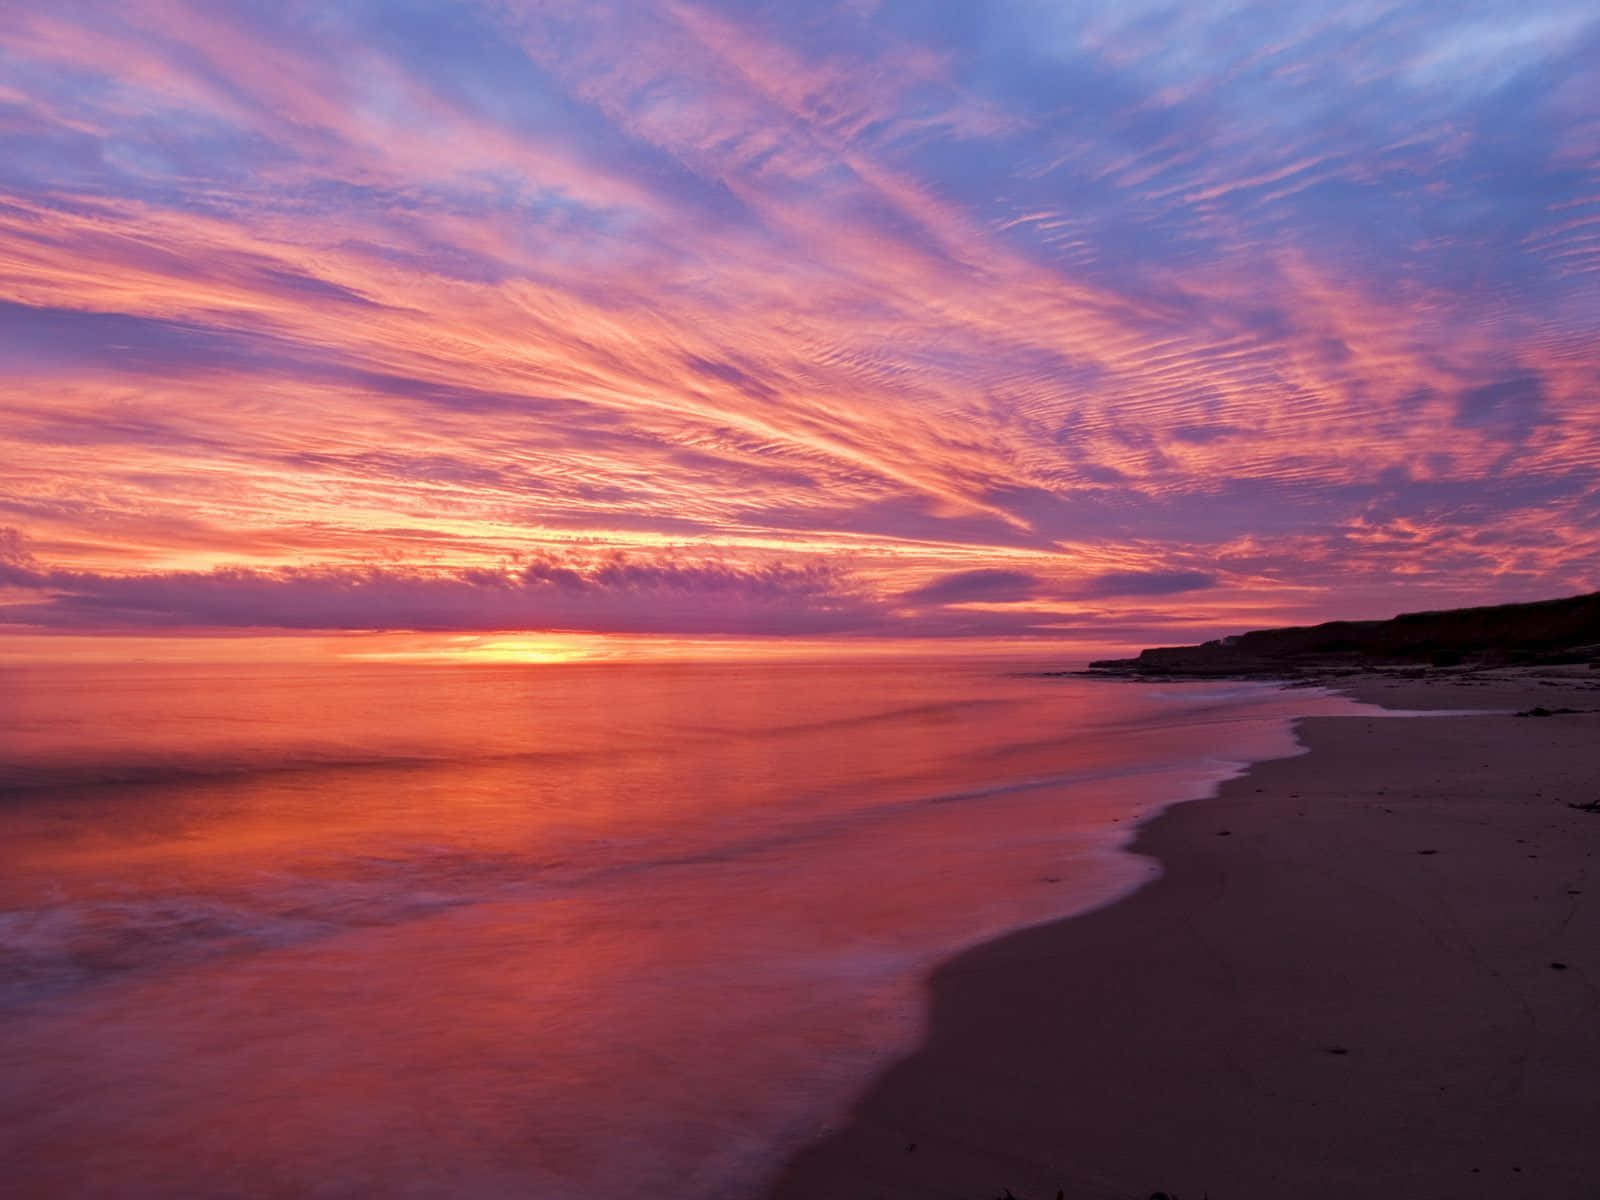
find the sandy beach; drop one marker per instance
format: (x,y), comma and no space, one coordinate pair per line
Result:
(1367,971)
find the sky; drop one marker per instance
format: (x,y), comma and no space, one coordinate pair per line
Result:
(873,319)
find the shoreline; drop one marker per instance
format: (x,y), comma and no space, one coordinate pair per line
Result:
(1342,984)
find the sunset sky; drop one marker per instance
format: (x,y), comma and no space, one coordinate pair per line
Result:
(1018,319)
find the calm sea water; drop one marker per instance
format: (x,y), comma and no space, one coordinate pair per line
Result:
(619,930)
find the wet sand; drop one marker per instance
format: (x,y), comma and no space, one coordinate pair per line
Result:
(1369,971)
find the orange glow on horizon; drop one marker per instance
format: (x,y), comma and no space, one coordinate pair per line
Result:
(533,649)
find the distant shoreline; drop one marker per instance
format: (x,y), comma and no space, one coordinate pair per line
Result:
(1544,633)
(1364,971)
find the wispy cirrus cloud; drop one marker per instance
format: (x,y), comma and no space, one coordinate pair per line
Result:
(1007,305)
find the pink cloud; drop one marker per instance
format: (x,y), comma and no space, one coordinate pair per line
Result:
(283,298)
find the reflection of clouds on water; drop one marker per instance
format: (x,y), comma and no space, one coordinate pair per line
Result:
(597,971)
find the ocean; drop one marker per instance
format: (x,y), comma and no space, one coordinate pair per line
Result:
(577,930)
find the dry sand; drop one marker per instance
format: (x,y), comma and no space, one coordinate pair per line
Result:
(1369,971)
